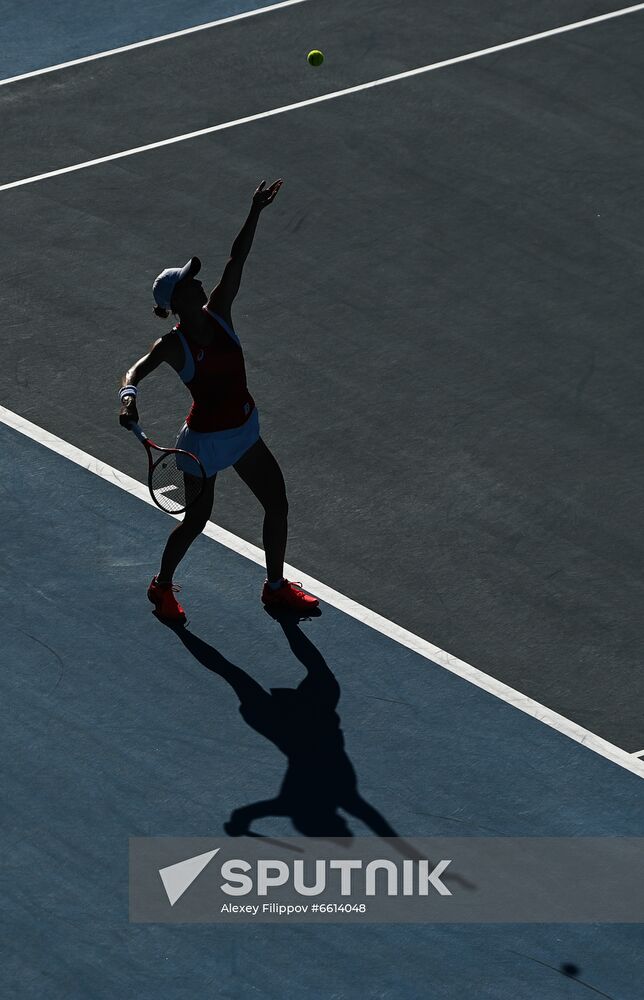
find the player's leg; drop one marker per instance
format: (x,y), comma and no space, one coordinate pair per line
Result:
(259,469)
(181,538)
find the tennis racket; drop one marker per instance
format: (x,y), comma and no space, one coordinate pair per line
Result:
(176,478)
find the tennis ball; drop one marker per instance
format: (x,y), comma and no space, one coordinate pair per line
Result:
(315,57)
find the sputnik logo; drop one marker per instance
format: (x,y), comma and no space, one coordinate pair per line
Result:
(177,878)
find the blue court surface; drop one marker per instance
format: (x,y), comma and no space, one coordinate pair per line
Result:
(441,316)
(113,727)
(75,31)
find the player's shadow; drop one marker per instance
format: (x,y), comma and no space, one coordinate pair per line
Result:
(304,724)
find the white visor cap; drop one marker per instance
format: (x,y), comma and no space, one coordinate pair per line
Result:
(165,282)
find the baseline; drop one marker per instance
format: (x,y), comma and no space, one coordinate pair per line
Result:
(349,607)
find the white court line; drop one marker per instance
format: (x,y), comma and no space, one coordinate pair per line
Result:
(342,603)
(640,753)
(149,41)
(324,97)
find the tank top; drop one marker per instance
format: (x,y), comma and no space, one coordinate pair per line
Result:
(215,375)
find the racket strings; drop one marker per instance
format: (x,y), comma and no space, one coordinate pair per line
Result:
(176,480)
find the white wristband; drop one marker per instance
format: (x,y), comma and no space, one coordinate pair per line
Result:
(127,390)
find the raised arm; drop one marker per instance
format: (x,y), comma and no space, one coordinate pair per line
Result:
(162,350)
(221,297)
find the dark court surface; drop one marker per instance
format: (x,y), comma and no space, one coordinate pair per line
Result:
(441,311)
(114,726)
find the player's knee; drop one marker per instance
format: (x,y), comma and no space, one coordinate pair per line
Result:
(277,506)
(194,523)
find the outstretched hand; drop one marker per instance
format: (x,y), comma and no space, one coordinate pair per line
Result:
(265,195)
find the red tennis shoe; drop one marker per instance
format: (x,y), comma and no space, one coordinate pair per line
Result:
(289,595)
(165,603)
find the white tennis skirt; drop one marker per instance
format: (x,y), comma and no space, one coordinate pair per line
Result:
(217,450)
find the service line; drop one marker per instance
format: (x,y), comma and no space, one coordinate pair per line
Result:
(149,41)
(324,97)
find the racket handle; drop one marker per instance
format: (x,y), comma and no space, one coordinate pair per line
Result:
(136,429)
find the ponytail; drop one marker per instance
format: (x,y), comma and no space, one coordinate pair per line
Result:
(160,312)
